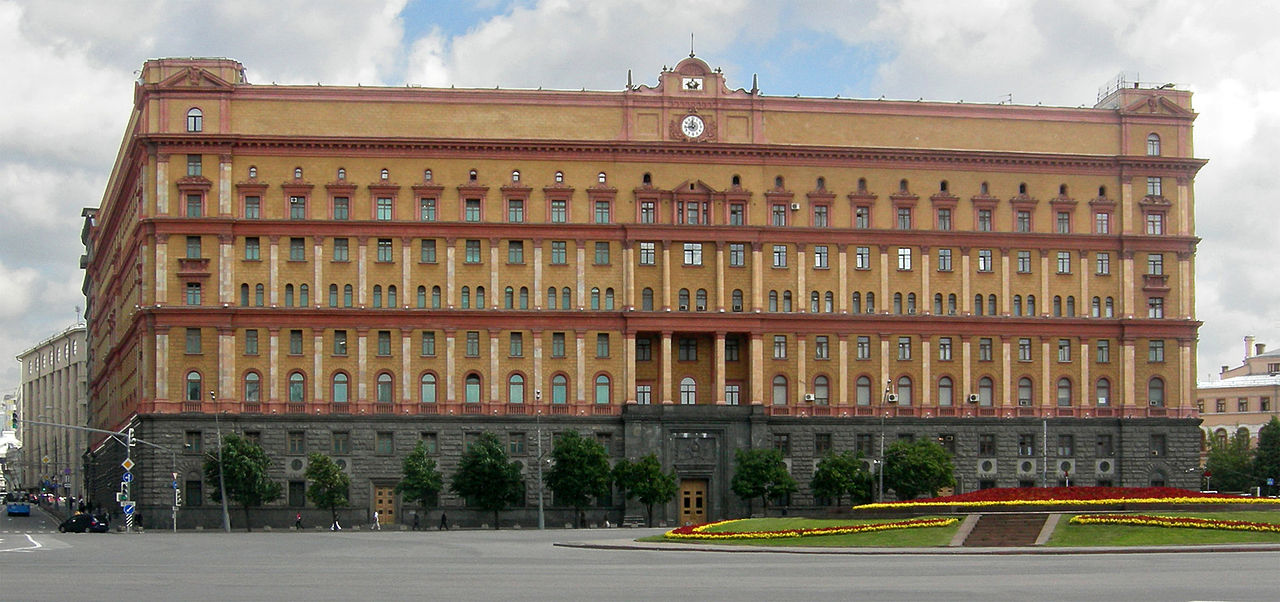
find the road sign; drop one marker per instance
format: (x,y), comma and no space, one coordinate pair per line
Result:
(44,459)
(127,508)
(126,477)
(1270,481)
(127,464)
(175,484)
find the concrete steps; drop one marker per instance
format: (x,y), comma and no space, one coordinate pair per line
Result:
(1003,530)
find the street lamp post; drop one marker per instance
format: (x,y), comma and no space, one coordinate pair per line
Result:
(884,399)
(222,483)
(542,524)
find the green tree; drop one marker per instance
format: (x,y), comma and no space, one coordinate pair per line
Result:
(580,472)
(841,474)
(486,478)
(329,485)
(915,467)
(244,468)
(1229,463)
(760,473)
(422,481)
(1266,459)
(645,481)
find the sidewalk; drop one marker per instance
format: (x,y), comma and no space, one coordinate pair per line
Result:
(626,544)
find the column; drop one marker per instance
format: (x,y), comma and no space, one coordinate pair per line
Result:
(802,295)
(162,184)
(884,358)
(1087,398)
(925,304)
(1186,374)
(273,272)
(718,362)
(273,369)
(538,293)
(665,392)
(802,364)
(1083,303)
(666,275)
(842,304)
(362,364)
(842,355)
(318,384)
(1126,376)
(494,377)
(318,290)
(1006,302)
(450,357)
(757,367)
(1006,375)
(1127,284)
(162,364)
(1186,277)
(966,370)
(628,283)
(362,273)
(537,364)
(629,365)
(227,363)
(224,185)
(162,268)
(1045,306)
(226,268)
(757,281)
(719,305)
(925,386)
(1046,359)
(885,299)
(579,337)
(406,377)
(966,276)
(450,270)
(408,294)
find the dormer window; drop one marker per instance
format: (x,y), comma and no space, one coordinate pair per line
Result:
(195,120)
(600,178)
(253,172)
(472,175)
(515,175)
(559,177)
(384,174)
(297,173)
(426,175)
(342,173)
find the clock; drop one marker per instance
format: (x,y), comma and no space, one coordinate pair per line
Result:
(692,126)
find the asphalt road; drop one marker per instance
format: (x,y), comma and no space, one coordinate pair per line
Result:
(38,563)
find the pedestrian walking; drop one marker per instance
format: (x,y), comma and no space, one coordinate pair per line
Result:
(415,520)
(297,521)
(377,526)
(444,522)
(335,526)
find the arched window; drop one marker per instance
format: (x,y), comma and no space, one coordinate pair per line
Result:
(946,391)
(435,297)
(1071,306)
(377,295)
(288,295)
(244,295)
(348,295)
(904,390)
(341,388)
(978,305)
(391,295)
(1031,305)
(1095,307)
(1153,143)
(646,299)
(1057,306)
(480,302)
(422,297)
(1064,392)
(828,302)
(986,391)
(195,121)
(608,299)
(1024,391)
(551,298)
(855,303)
(991,305)
(259,292)
(688,391)
(911,303)
(773,301)
(862,391)
(1102,392)
(821,390)
(384,388)
(595,298)
(1017,305)
(1111,307)
(559,389)
(297,388)
(897,303)
(815,302)
(194,388)
(515,389)
(736,299)
(471,388)
(937,304)
(786,301)
(700,299)
(683,299)
(951,304)
(333,295)
(871,302)
(524,297)
(509,298)
(602,389)
(1155,392)
(252,388)
(466,297)
(566,298)
(427,388)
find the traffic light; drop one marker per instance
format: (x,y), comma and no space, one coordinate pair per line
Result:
(15,420)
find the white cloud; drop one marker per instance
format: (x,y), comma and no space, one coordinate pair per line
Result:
(19,286)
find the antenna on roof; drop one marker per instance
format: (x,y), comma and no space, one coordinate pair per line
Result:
(690,45)
(628,79)
(77,314)
(755,83)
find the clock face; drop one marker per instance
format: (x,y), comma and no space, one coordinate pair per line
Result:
(692,126)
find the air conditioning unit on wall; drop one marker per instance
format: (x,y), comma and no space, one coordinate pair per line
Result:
(795,206)
(891,398)
(973,398)
(809,397)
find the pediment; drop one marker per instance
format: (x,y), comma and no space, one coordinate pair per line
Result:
(1153,104)
(194,78)
(693,187)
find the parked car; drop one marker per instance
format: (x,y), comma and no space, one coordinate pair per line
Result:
(81,523)
(16,504)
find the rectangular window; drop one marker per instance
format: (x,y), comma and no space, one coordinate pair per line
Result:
(732,395)
(194,343)
(737,254)
(644,394)
(252,248)
(297,207)
(779,347)
(193,247)
(515,211)
(515,251)
(984,350)
(647,253)
(732,349)
(944,260)
(737,214)
(342,443)
(688,350)
(339,342)
(1026,445)
(297,249)
(864,348)
(516,444)
(1064,350)
(557,344)
(431,441)
(1155,351)
(984,220)
(821,348)
(602,212)
(944,219)
(1066,446)
(1242,405)
(1024,262)
(644,350)
(1103,353)
(984,260)
(1024,350)
(472,255)
(195,165)
(297,442)
(428,343)
(1104,264)
(251,341)
(778,214)
(904,218)
(1106,447)
(1158,446)
(383,209)
(987,446)
(1022,221)
(904,258)
(1064,222)
(559,252)
(384,443)
(904,348)
(862,258)
(427,210)
(821,444)
(647,212)
(1064,262)
(1155,307)
(295,342)
(782,443)
(944,349)
(559,211)
(1102,223)
(472,210)
(297,494)
(193,293)
(427,250)
(693,253)
(384,342)
(516,346)
(1155,224)
(1155,264)
(384,250)
(1154,186)
(862,217)
(342,208)
(820,260)
(864,445)
(252,207)
(779,256)
(194,442)
(820,213)
(473,343)
(602,345)
(602,253)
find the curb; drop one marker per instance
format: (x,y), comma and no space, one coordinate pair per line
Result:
(943,551)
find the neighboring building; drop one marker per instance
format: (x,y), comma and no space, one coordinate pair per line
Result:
(1243,398)
(684,269)
(10,446)
(54,390)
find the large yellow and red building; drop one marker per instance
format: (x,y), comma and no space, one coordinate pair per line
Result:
(679,268)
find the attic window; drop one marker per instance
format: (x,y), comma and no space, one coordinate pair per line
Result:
(426,175)
(385,174)
(195,121)
(342,173)
(647,179)
(862,184)
(515,175)
(822,183)
(1102,192)
(1022,188)
(902,185)
(1062,190)
(777,182)
(983,189)
(559,177)
(600,177)
(737,180)
(942,186)
(297,173)
(253,172)
(472,175)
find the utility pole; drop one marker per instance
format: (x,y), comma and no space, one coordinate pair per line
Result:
(542,523)
(222,482)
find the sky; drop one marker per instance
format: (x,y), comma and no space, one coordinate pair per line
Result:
(71,67)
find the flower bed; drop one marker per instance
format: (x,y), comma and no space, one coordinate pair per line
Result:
(1147,520)
(701,532)
(1072,496)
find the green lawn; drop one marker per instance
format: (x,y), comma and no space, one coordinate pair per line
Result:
(920,537)
(1120,535)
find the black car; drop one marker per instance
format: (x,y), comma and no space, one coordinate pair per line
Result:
(81,523)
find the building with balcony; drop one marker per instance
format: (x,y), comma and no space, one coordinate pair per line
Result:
(679,268)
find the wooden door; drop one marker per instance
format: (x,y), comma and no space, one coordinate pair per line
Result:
(693,501)
(384,501)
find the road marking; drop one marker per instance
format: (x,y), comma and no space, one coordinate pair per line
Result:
(35,545)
